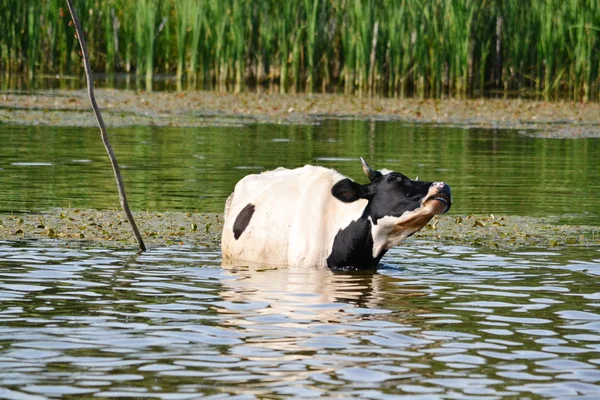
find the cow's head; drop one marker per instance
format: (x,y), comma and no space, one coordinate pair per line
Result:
(397,206)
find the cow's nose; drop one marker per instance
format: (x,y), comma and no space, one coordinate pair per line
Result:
(444,190)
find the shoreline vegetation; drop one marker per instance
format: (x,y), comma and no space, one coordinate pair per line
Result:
(109,228)
(564,119)
(395,48)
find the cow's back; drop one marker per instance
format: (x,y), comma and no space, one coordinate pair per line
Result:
(285,217)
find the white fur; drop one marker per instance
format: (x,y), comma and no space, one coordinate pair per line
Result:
(384,235)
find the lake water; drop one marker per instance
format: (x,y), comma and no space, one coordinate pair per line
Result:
(437,321)
(490,171)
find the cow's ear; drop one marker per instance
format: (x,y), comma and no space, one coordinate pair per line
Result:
(347,191)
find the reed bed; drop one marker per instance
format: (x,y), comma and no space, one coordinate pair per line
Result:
(423,48)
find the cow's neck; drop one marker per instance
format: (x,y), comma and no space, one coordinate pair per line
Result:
(390,231)
(353,247)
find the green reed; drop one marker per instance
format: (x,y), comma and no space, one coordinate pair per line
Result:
(426,48)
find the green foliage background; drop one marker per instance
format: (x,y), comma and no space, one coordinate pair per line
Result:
(428,48)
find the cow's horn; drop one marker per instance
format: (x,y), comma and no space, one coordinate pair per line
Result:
(371,174)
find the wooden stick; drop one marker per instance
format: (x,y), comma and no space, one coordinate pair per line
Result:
(103,132)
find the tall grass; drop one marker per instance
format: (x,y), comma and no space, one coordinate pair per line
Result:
(426,48)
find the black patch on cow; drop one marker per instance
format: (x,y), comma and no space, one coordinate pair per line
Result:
(242,220)
(353,247)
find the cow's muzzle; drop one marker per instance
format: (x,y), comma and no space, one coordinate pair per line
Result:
(440,193)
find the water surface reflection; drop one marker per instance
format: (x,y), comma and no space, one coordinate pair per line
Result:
(185,169)
(445,322)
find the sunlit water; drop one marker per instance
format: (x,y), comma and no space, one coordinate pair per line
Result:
(436,322)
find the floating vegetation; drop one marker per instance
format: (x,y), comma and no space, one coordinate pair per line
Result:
(509,232)
(208,108)
(110,228)
(428,48)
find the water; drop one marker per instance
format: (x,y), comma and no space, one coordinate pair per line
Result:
(490,171)
(46,82)
(437,322)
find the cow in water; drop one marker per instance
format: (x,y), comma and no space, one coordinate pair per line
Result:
(315,216)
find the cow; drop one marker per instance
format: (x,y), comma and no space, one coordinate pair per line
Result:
(315,216)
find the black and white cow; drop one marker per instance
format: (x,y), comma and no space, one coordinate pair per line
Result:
(315,216)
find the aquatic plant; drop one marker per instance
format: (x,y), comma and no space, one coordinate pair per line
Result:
(427,48)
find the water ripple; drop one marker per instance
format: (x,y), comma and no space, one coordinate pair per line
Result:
(173,324)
